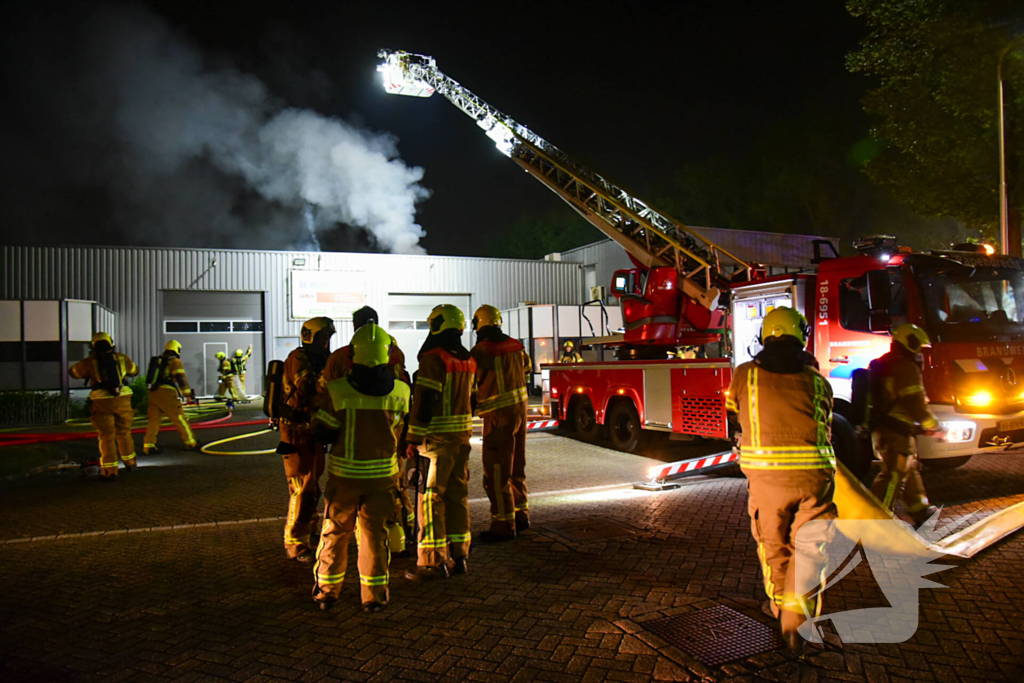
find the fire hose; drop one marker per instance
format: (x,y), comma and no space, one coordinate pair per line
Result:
(207,447)
(27,439)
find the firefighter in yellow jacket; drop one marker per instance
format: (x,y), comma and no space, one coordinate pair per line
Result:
(165,396)
(303,457)
(899,413)
(105,369)
(238,366)
(339,365)
(569,353)
(227,379)
(501,367)
(363,418)
(784,408)
(440,426)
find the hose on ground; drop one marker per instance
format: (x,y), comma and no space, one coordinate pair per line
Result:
(207,447)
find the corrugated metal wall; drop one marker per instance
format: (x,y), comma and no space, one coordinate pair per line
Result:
(128,281)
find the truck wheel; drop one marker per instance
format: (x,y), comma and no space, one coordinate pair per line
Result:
(584,420)
(624,428)
(851,449)
(945,463)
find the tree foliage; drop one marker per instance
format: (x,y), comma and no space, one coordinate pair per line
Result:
(533,235)
(935,102)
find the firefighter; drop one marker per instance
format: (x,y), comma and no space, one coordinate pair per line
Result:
(170,387)
(501,368)
(440,426)
(303,457)
(368,406)
(783,406)
(899,413)
(226,380)
(238,366)
(569,353)
(105,369)
(339,364)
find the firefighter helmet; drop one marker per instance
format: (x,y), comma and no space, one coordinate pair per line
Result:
(221,355)
(568,346)
(239,353)
(314,326)
(370,345)
(911,337)
(174,346)
(486,316)
(446,317)
(102,337)
(785,322)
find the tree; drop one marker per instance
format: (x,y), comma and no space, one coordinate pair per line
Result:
(935,105)
(532,236)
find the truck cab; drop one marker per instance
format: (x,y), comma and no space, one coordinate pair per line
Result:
(970,303)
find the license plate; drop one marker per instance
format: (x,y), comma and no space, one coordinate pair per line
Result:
(1010,425)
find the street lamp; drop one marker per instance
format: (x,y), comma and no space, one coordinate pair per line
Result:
(1004,228)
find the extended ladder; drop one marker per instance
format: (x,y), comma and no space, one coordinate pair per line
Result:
(650,237)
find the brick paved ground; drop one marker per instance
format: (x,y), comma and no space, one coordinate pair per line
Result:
(220,602)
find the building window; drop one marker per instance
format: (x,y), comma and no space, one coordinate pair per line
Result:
(215,327)
(248,326)
(170,327)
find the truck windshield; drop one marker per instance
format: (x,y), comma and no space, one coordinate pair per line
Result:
(966,304)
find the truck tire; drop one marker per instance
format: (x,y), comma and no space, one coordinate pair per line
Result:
(584,419)
(940,464)
(624,429)
(851,449)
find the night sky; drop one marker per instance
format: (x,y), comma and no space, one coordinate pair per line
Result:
(631,89)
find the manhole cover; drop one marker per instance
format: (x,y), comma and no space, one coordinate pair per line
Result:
(716,635)
(589,530)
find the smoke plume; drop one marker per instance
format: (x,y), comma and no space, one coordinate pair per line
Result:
(186,150)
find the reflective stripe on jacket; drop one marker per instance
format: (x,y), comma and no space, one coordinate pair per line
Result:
(898,401)
(501,369)
(442,396)
(88,368)
(786,418)
(369,428)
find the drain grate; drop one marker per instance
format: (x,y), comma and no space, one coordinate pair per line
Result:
(716,635)
(589,530)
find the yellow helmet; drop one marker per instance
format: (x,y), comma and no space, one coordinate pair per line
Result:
(568,345)
(370,345)
(239,353)
(785,322)
(221,355)
(446,317)
(911,337)
(314,326)
(173,346)
(486,316)
(102,336)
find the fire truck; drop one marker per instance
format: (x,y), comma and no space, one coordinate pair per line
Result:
(685,292)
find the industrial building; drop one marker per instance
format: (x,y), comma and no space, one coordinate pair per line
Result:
(53,298)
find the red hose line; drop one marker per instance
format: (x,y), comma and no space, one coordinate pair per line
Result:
(42,437)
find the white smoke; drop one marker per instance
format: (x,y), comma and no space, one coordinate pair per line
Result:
(162,113)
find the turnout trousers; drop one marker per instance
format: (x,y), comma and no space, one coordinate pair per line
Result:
(112,418)
(164,401)
(780,503)
(900,476)
(444,505)
(227,384)
(345,507)
(504,463)
(303,464)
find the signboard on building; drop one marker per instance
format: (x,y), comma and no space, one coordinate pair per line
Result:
(334,293)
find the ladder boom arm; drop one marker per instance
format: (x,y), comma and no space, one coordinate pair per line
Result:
(648,235)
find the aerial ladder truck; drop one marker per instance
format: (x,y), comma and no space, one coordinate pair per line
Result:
(688,291)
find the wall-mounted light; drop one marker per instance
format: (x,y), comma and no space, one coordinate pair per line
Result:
(299,262)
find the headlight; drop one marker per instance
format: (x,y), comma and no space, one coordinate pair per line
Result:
(958,432)
(979,399)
